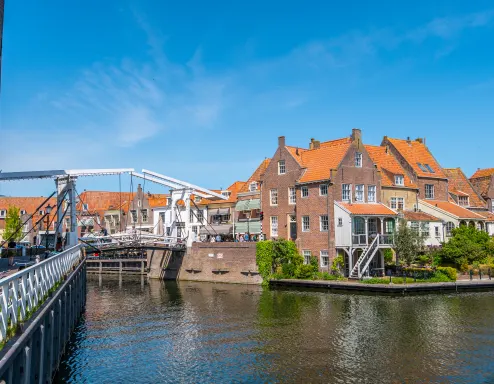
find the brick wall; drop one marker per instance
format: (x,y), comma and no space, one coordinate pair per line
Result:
(314,206)
(233,259)
(440,188)
(271,180)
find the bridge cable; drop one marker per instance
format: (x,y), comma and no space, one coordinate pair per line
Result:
(205,226)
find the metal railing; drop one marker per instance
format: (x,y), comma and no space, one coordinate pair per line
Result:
(386,239)
(22,292)
(364,260)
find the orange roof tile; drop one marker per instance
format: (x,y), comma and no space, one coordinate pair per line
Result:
(415,152)
(419,216)
(486,172)
(367,209)
(345,140)
(256,176)
(389,166)
(460,185)
(100,201)
(489,216)
(158,200)
(454,209)
(30,204)
(296,152)
(319,162)
(233,189)
(482,184)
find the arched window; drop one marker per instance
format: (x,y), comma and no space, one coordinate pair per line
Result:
(449,227)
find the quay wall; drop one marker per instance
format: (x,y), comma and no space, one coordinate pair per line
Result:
(221,262)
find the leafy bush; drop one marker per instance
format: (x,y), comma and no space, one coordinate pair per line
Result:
(468,245)
(338,265)
(278,257)
(304,271)
(448,272)
(388,256)
(288,270)
(264,259)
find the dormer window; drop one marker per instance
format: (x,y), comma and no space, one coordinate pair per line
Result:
(3,212)
(23,211)
(197,199)
(84,207)
(41,212)
(226,193)
(358,159)
(463,201)
(281,167)
(253,186)
(399,180)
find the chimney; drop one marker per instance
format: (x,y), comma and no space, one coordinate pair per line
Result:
(419,140)
(311,144)
(356,134)
(281,141)
(296,152)
(316,144)
(408,141)
(423,140)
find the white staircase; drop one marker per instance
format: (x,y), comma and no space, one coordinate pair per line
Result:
(362,264)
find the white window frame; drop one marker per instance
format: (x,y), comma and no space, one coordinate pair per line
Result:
(340,222)
(437,232)
(400,180)
(304,192)
(281,167)
(358,159)
(307,254)
(395,202)
(449,228)
(226,193)
(467,202)
(3,213)
(273,196)
(134,218)
(324,257)
(145,218)
(346,192)
(253,186)
(22,211)
(359,192)
(273,221)
(85,207)
(41,212)
(323,189)
(371,198)
(428,194)
(305,224)
(292,196)
(322,222)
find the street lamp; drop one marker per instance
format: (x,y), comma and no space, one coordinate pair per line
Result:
(48,210)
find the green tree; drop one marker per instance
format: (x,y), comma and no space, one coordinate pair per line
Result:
(467,245)
(408,243)
(13,225)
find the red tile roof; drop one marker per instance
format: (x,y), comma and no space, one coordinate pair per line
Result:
(419,216)
(158,200)
(256,176)
(482,184)
(296,152)
(367,209)
(30,204)
(460,185)
(319,162)
(389,166)
(415,152)
(454,209)
(486,172)
(489,216)
(233,189)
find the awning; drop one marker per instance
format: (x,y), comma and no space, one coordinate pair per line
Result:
(247,205)
(219,211)
(248,227)
(222,229)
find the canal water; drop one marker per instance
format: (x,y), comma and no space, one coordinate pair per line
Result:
(136,331)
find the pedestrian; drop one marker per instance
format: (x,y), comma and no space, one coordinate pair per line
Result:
(246,237)
(218,238)
(37,259)
(242,238)
(212,239)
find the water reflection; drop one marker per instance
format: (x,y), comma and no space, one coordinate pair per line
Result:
(149,331)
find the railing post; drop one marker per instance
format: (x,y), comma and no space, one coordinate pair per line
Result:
(120,266)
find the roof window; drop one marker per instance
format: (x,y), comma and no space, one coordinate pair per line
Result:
(429,168)
(421,166)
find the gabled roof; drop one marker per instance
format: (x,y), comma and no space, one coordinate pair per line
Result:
(100,201)
(415,152)
(460,186)
(489,216)
(482,185)
(366,209)
(319,162)
(389,166)
(296,152)
(29,204)
(256,176)
(419,216)
(486,172)
(453,209)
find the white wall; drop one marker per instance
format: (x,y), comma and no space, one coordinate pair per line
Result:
(431,239)
(343,234)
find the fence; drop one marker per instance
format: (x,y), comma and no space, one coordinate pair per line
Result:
(23,292)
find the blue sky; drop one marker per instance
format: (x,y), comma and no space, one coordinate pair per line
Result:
(201,90)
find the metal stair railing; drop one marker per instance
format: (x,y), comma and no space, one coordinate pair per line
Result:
(364,260)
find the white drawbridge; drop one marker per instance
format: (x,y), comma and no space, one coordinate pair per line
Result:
(65,181)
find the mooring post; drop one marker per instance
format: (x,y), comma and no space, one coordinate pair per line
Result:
(142,267)
(100,266)
(120,266)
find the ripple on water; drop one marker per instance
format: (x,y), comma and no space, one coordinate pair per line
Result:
(204,333)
